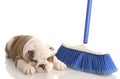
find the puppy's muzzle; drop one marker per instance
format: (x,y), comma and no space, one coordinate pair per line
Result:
(42,66)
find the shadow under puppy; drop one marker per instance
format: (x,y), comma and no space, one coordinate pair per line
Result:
(32,55)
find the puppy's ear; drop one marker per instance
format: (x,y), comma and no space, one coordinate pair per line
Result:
(30,55)
(51,59)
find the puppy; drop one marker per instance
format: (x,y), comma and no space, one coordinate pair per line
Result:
(31,55)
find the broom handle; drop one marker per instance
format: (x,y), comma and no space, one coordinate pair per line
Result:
(87,21)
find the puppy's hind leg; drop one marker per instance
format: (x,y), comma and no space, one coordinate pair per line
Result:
(8,48)
(25,67)
(58,65)
(7,52)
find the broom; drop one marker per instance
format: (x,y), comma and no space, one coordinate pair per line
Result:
(81,58)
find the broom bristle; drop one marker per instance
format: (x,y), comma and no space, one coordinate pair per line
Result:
(84,61)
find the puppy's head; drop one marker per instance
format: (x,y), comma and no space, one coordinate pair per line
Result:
(42,58)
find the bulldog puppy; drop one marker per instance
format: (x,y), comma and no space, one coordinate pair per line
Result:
(31,55)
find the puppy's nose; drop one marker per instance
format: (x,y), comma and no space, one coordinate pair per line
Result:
(42,66)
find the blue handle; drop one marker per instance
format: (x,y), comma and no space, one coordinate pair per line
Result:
(87,22)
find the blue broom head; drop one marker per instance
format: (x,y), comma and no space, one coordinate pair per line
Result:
(87,62)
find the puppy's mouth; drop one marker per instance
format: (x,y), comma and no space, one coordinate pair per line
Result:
(43,68)
(39,67)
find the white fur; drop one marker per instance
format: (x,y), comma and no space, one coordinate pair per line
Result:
(25,67)
(59,65)
(39,47)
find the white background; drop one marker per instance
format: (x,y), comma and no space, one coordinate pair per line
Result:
(54,21)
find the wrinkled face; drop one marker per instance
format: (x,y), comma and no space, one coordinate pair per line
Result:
(41,59)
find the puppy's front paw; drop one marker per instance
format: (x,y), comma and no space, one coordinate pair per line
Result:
(60,66)
(28,69)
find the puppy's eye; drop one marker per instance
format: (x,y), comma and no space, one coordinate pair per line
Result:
(35,61)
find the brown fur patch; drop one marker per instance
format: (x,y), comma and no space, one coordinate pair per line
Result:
(17,45)
(30,55)
(51,59)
